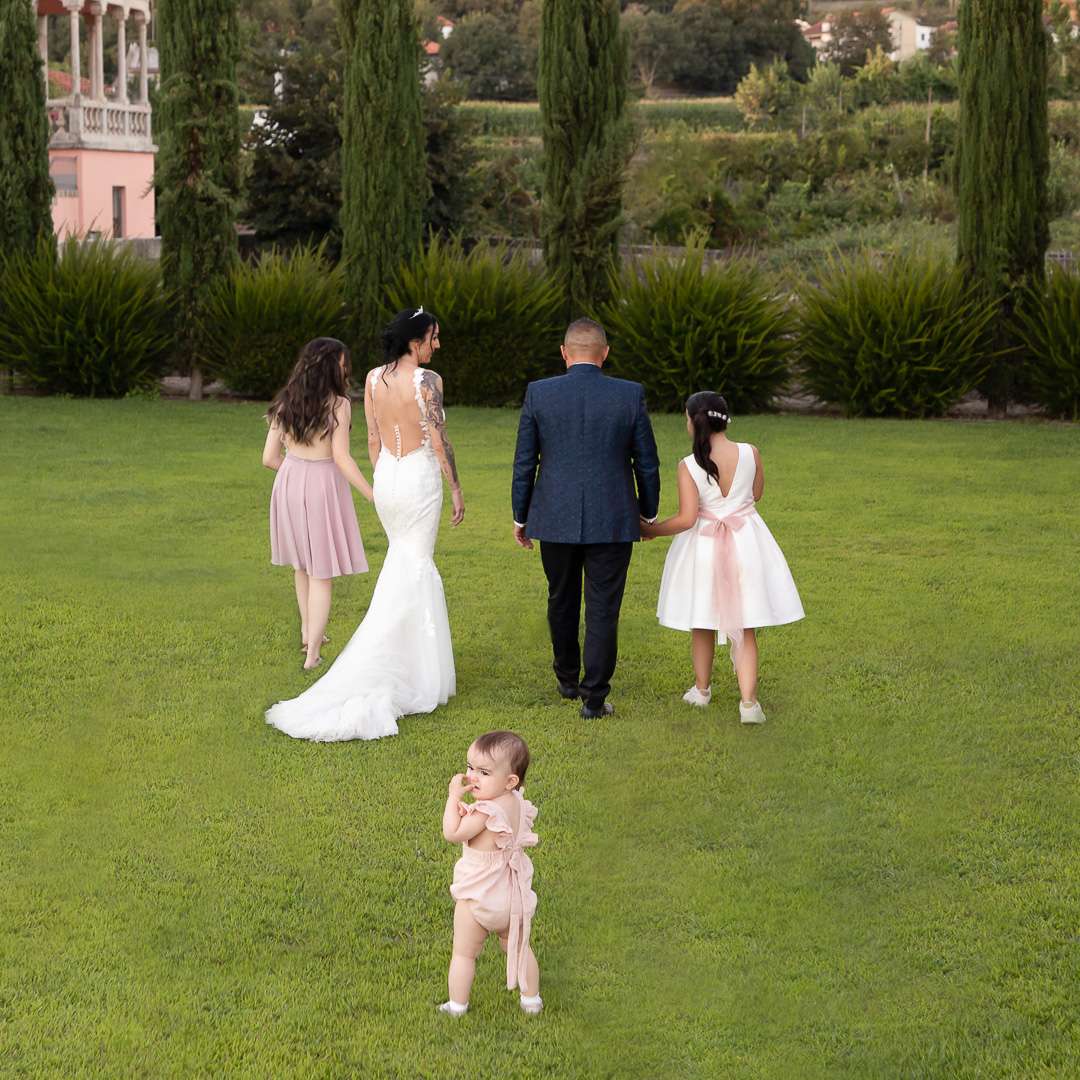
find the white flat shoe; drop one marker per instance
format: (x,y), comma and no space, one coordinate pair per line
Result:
(452,1008)
(532,1005)
(751,714)
(697,697)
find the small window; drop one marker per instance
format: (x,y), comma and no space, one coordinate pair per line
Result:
(118,213)
(65,176)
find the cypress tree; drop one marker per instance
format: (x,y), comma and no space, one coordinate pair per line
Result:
(384,185)
(197,173)
(584,65)
(25,188)
(1002,158)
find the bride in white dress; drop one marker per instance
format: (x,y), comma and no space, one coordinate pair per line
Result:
(400,660)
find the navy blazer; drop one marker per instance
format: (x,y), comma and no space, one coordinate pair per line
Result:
(583,440)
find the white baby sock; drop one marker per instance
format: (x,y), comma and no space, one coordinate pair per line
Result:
(453,1008)
(533,1004)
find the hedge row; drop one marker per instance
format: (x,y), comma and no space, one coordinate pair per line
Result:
(521,119)
(907,337)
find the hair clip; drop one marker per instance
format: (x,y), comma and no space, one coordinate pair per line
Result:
(418,311)
(717,415)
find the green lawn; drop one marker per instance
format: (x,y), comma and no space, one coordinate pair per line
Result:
(881,882)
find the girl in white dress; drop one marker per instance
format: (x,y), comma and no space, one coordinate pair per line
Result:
(725,575)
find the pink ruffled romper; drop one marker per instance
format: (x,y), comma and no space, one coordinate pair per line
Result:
(499,882)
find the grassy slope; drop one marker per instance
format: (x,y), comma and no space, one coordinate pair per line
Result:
(880,882)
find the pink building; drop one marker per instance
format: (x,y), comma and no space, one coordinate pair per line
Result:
(101,154)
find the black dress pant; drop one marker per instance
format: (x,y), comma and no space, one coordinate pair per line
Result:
(603,567)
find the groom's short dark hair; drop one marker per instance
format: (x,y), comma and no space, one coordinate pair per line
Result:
(585,334)
(508,746)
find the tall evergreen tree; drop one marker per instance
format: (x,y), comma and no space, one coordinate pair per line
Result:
(197,174)
(384,185)
(1002,156)
(584,65)
(25,188)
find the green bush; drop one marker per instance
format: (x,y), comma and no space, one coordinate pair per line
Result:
(1048,325)
(499,318)
(264,312)
(92,320)
(678,326)
(905,339)
(521,120)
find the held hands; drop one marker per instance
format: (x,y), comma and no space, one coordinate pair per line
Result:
(521,539)
(458,502)
(647,529)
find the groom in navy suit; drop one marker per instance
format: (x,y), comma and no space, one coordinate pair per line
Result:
(585,473)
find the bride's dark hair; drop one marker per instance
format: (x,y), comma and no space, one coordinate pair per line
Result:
(708,413)
(405,328)
(304,407)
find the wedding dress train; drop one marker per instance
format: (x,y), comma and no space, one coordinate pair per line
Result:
(400,660)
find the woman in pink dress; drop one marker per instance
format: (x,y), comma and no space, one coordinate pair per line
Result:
(493,878)
(313,525)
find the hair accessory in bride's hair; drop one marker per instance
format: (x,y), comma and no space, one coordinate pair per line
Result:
(418,311)
(717,415)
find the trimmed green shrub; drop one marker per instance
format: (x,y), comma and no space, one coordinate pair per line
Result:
(263,313)
(678,326)
(91,320)
(1048,325)
(905,339)
(499,318)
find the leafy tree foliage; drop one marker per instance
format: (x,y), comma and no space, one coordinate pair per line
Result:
(857,35)
(489,59)
(384,182)
(197,173)
(584,62)
(1003,157)
(25,187)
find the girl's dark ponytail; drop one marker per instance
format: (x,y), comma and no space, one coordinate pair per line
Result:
(708,413)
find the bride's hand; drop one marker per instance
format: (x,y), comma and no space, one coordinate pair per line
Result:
(458,502)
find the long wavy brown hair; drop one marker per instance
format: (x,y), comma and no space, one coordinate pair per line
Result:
(304,407)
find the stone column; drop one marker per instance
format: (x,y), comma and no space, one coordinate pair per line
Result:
(144,59)
(97,58)
(76,51)
(121,55)
(43,47)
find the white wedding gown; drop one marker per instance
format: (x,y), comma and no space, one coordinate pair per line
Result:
(400,660)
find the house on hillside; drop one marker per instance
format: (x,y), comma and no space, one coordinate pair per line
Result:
(101,152)
(913,34)
(819,34)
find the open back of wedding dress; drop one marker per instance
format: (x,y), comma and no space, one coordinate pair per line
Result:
(400,660)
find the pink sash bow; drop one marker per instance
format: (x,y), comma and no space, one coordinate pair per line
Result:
(517,943)
(728,595)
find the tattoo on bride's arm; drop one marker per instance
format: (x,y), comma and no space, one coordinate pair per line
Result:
(435,416)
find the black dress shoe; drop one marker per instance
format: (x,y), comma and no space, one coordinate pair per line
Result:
(569,692)
(606,709)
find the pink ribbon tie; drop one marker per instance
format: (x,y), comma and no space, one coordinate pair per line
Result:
(728,594)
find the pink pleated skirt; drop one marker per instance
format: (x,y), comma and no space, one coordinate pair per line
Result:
(313,523)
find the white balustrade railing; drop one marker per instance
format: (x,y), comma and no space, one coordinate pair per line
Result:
(100,121)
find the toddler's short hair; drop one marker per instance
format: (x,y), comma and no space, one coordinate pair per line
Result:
(509,747)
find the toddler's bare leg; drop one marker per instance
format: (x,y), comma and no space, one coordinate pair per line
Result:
(702,649)
(530,977)
(319,590)
(300,580)
(746,665)
(469,938)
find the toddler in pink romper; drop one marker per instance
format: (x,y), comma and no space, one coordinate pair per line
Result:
(493,878)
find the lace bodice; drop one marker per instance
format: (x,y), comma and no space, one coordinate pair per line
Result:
(397,413)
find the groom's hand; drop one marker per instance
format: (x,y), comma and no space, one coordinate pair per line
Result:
(520,538)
